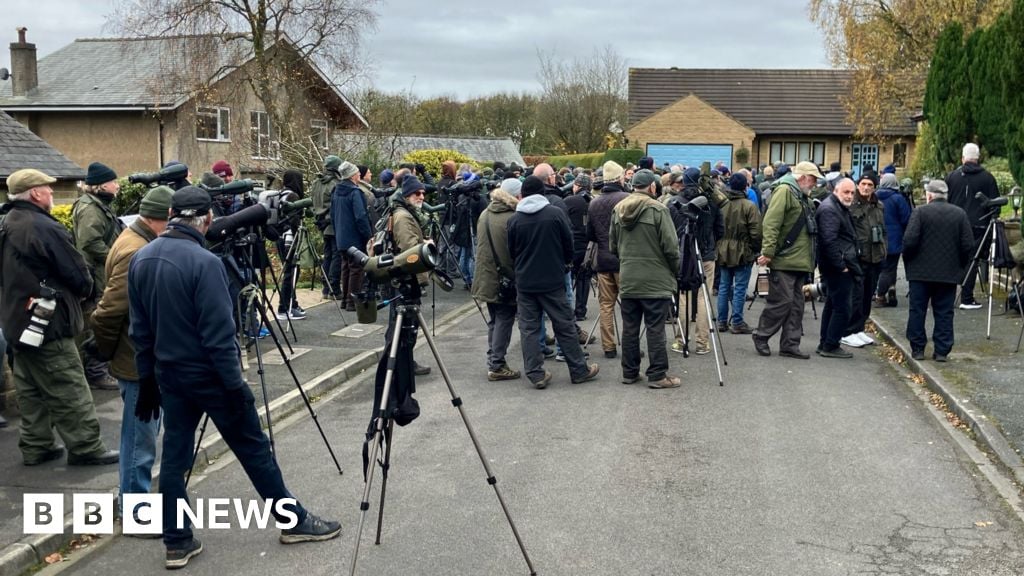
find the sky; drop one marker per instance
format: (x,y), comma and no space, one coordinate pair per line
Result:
(468,48)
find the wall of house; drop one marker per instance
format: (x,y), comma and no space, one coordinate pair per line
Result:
(690,121)
(837,149)
(126,141)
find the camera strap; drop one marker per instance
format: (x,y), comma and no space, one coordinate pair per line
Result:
(797,228)
(490,242)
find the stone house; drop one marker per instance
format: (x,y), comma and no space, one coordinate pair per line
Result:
(137,103)
(690,116)
(20,148)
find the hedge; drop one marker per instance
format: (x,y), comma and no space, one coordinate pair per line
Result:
(594,160)
(623,156)
(433,159)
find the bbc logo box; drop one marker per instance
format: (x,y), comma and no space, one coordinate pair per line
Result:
(91,513)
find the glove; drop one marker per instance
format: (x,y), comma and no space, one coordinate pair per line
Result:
(147,406)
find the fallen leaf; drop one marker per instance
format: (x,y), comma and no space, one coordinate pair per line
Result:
(53,558)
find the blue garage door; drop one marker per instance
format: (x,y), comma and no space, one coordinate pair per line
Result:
(691,154)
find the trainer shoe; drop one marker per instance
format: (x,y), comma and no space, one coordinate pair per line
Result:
(312,529)
(593,369)
(865,337)
(178,557)
(549,353)
(293,314)
(917,354)
(503,373)
(419,369)
(837,352)
(543,382)
(741,328)
(940,357)
(970,305)
(703,349)
(678,347)
(852,341)
(666,382)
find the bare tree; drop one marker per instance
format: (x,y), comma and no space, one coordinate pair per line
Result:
(581,100)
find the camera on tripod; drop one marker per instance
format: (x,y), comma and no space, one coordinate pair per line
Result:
(397,269)
(174,177)
(270,211)
(692,209)
(42,307)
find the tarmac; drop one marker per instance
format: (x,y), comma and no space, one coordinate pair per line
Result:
(977,383)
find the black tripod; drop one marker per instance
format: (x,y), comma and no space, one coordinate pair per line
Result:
(437,229)
(291,262)
(987,240)
(249,304)
(407,322)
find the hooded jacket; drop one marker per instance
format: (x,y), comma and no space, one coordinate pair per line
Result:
(540,243)
(964,183)
(741,242)
(320,191)
(348,216)
(95,228)
(600,221)
(405,228)
(787,205)
(866,215)
(897,215)
(495,219)
(644,239)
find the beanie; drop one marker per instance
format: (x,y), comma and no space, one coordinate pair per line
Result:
(411,185)
(611,171)
(211,180)
(890,169)
(99,174)
(532,185)
(646,163)
(347,170)
(691,177)
(738,182)
(156,203)
(386,176)
(332,162)
(873,177)
(222,168)
(584,182)
(512,185)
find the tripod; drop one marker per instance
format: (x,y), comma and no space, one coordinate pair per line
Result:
(303,242)
(691,298)
(250,297)
(407,322)
(436,229)
(988,239)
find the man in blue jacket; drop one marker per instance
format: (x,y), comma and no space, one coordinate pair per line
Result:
(188,361)
(351,228)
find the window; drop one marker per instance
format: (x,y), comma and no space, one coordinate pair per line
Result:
(262,145)
(212,123)
(318,132)
(899,154)
(793,152)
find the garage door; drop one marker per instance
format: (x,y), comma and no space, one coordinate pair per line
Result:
(691,154)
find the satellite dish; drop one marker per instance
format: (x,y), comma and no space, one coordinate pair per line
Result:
(4,74)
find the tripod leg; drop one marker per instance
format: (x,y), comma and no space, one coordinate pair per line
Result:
(384,467)
(263,385)
(716,337)
(195,453)
(319,265)
(478,307)
(597,321)
(364,505)
(457,403)
(991,278)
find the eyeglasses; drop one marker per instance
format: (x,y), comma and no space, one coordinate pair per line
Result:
(419,193)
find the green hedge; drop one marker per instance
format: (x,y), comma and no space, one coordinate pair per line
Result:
(594,160)
(623,156)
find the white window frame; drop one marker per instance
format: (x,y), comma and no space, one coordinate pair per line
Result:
(222,115)
(265,148)
(323,128)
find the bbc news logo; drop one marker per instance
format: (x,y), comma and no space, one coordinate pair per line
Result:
(144,513)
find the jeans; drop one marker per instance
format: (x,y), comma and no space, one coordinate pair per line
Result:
(941,297)
(733,290)
(239,425)
(653,313)
(531,305)
(499,333)
(138,444)
(835,316)
(467,260)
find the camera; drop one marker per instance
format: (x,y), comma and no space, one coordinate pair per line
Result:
(42,308)
(814,290)
(173,177)
(692,209)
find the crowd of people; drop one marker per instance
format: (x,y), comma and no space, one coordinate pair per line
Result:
(147,309)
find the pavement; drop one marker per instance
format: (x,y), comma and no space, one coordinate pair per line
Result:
(814,467)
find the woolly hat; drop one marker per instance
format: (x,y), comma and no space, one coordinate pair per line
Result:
(611,171)
(691,177)
(584,182)
(532,185)
(411,185)
(890,169)
(99,174)
(332,162)
(868,176)
(646,163)
(643,179)
(347,170)
(222,168)
(386,176)
(738,182)
(156,203)
(889,181)
(512,185)
(211,180)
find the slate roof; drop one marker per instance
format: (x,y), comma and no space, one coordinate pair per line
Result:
(479,148)
(131,73)
(20,148)
(767,101)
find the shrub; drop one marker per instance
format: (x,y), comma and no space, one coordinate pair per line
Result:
(594,160)
(534,160)
(62,212)
(623,156)
(433,159)
(127,200)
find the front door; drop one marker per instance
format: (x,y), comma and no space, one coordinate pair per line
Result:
(864,155)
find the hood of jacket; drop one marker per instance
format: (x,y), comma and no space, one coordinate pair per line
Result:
(735,195)
(631,207)
(884,194)
(327,177)
(502,201)
(346,188)
(971,168)
(789,180)
(532,204)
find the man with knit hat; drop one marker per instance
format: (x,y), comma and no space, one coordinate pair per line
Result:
(37,256)
(95,228)
(351,228)
(599,223)
(407,232)
(321,190)
(110,327)
(186,353)
(223,170)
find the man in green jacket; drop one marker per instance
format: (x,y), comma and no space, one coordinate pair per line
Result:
(736,253)
(96,227)
(644,239)
(787,249)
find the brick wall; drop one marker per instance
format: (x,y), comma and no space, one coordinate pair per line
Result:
(690,121)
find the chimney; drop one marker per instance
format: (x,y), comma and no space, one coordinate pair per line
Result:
(24,76)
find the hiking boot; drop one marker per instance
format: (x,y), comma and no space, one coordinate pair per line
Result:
(96,459)
(503,373)
(584,338)
(419,369)
(761,345)
(836,352)
(106,382)
(312,529)
(702,349)
(178,557)
(917,354)
(666,382)
(48,456)
(722,328)
(741,328)
(591,374)
(940,357)
(549,353)
(543,382)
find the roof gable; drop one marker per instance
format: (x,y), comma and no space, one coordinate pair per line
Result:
(767,101)
(20,148)
(682,108)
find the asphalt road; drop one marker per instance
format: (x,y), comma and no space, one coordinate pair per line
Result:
(819,467)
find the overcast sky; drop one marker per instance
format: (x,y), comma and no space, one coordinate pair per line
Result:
(472,47)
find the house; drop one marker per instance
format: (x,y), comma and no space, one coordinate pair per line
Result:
(20,148)
(690,116)
(392,148)
(137,103)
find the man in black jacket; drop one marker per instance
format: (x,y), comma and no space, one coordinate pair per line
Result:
(964,183)
(577,204)
(37,256)
(837,260)
(540,243)
(187,358)
(937,245)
